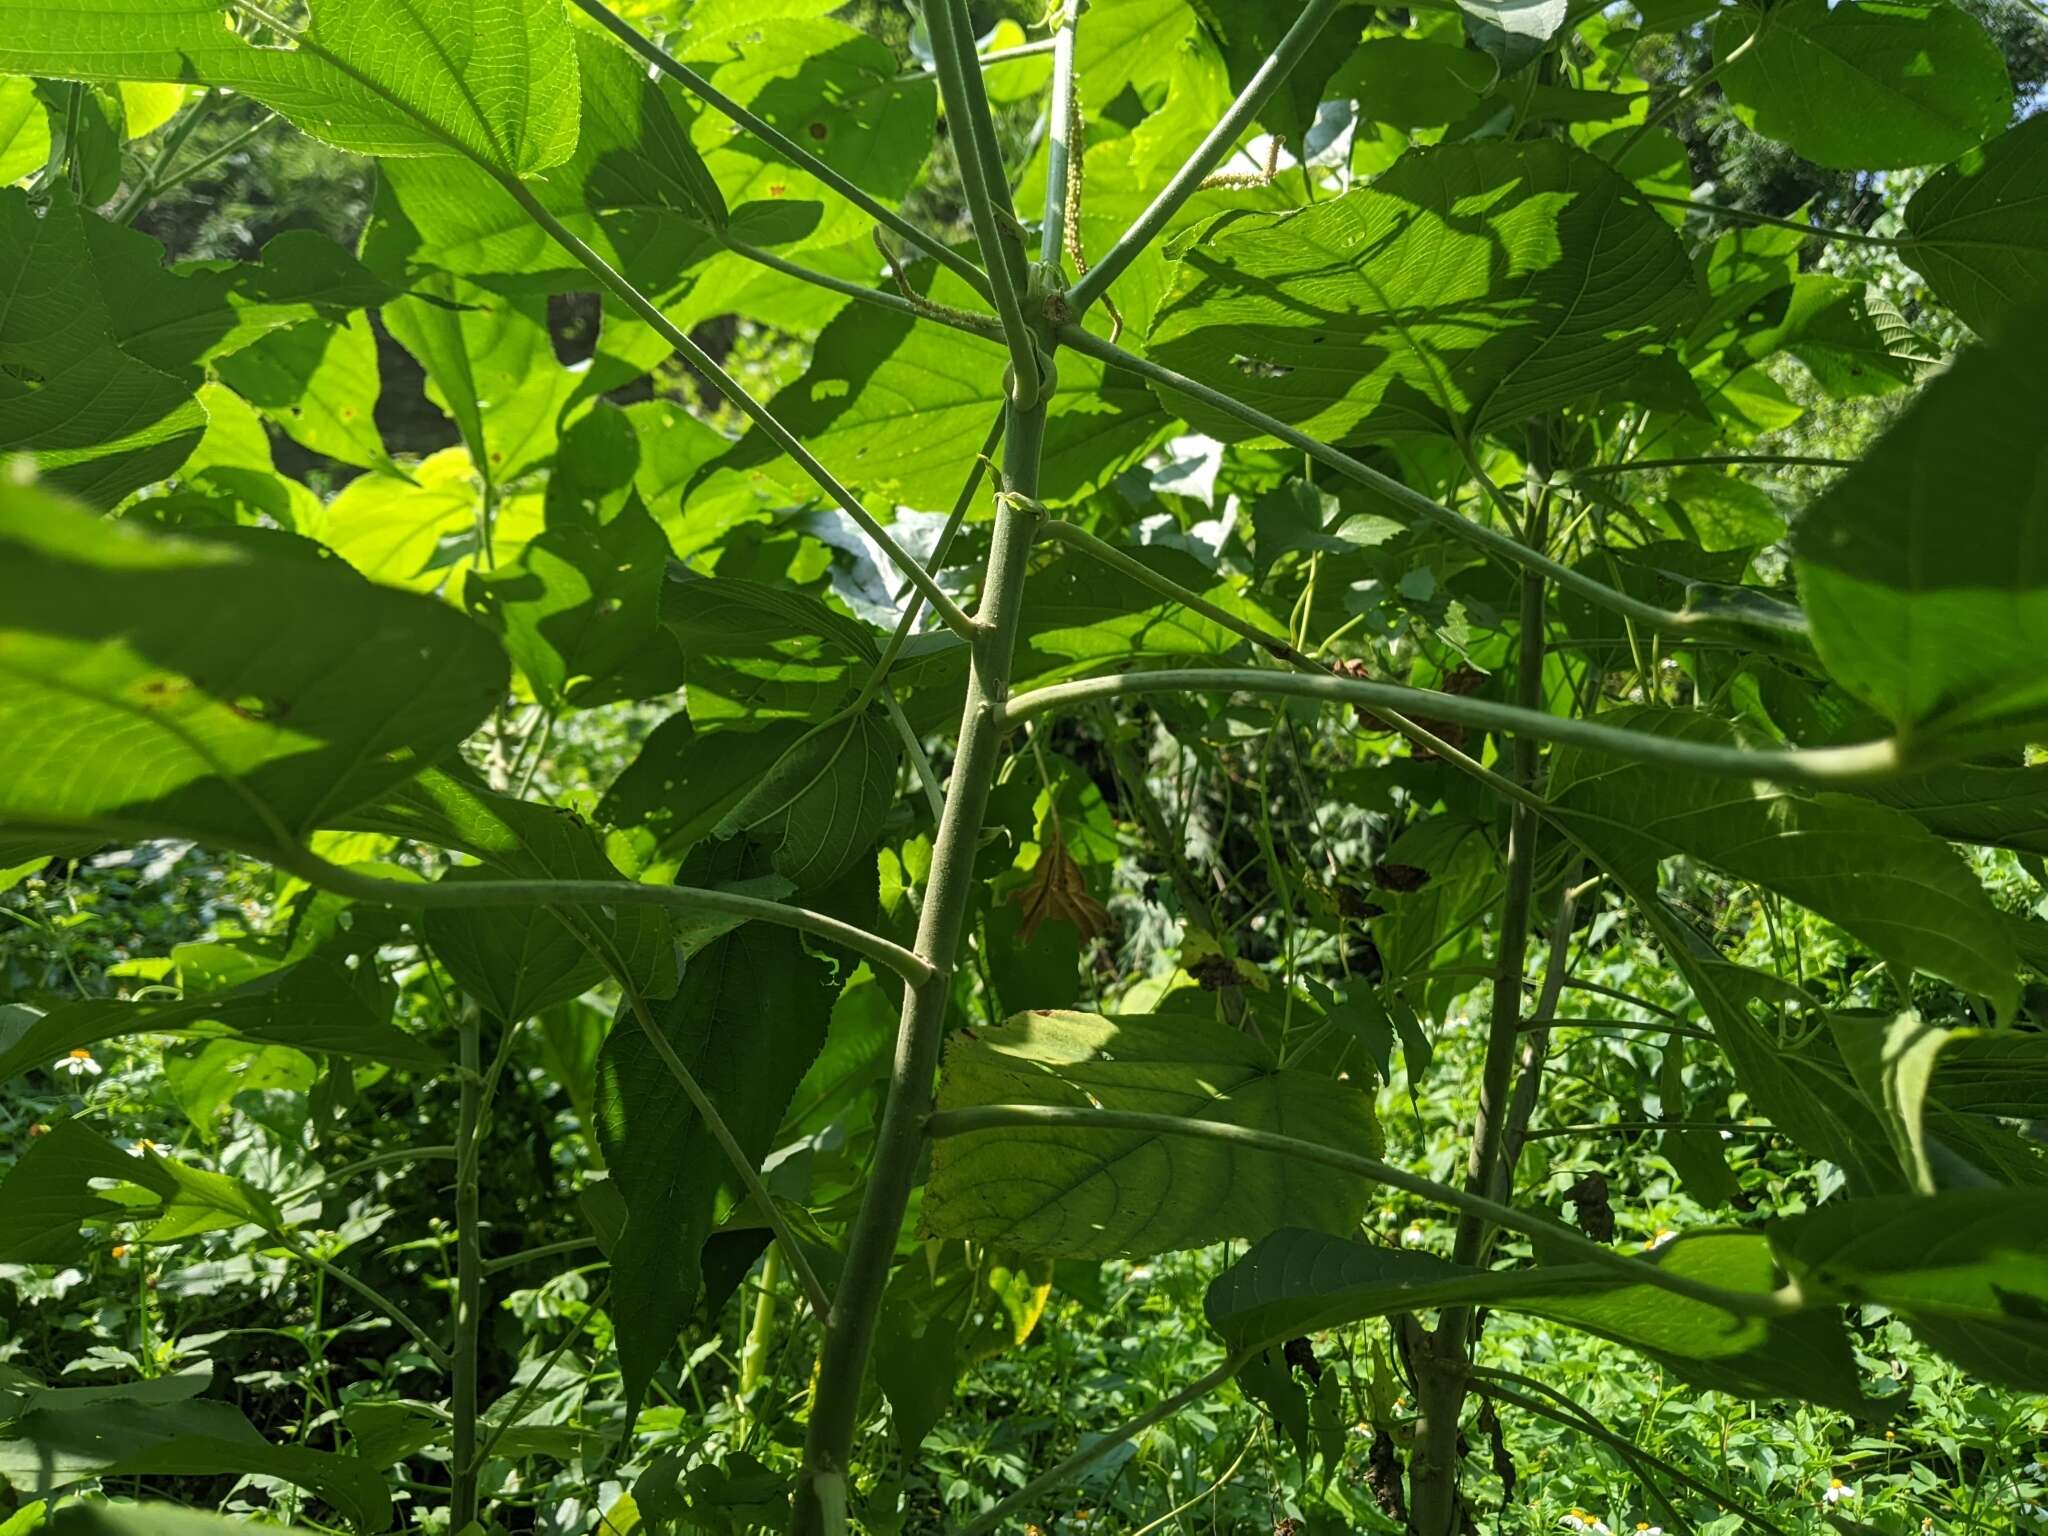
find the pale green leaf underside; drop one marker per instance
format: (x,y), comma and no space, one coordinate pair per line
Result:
(1077,1192)
(493,79)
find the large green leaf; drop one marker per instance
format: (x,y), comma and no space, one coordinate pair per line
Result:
(580,606)
(1922,570)
(73,1178)
(1976,803)
(320,384)
(99,419)
(1075,1192)
(635,190)
(515,961)
(819,809)
(1296,1282)
(1865,84)
(748,1020)
(54,1446)
(1469,287)
(832,88)
(245,691)
(493,79)
(900,407)
(1967,1268)
(24,130)
(1874,871)
(684,781)
(1805,1355)
(528,841)
(1979,228)
(316,1004)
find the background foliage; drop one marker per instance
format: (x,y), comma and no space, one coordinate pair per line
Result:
(1635,286)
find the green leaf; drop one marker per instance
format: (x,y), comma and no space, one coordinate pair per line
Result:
(1979,228)
(1894,1062)
(1072,1192)
(1297,1282)
(98,418)
(1865,86)
(1721,511)
(1922,571)
(636,190)
(515,961)
(1294,1281)
(1081,611)
(74,1177)
(422,532)
(1513,31)
(1468,288)
(52,1448)
(748,1020)
(24,130)
(580,608)
(526,841)
(833,89)
(756,653)
(492,79)
(320,384)
(1972,803)
(684,781)
(900,407)
(1967,1268)
(1411,83)
(1805,1356)
(1876,872)
(942,1313)
(314,1005)
(819,810)
(246,692)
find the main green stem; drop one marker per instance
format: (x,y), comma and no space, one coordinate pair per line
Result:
(871,1247)
(823,1484)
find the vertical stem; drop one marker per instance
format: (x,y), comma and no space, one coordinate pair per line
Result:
(822,1486)
(821,1493)
(754,1358)
(468,1278)
(1443,1367)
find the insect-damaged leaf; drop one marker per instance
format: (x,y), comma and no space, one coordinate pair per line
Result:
(243,689)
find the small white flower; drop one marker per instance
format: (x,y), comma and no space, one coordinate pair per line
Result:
(78,1063)
(141,1146)
(1837,1492)
(1644,1528)
(1414,1237)
(1663,1236)
(1579,1520)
